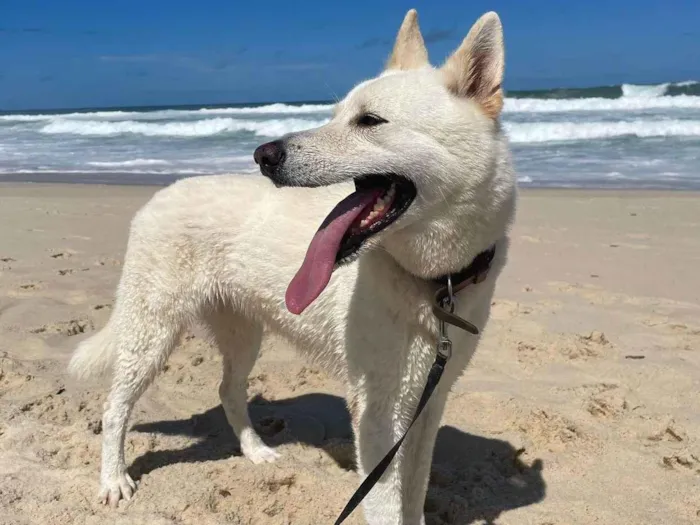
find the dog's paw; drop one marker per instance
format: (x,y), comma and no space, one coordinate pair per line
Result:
(115,489)
(260,453)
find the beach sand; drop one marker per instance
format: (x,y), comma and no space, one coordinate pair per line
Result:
(581,406)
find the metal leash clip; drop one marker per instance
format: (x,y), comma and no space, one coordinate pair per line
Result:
(444,345)
(443,310)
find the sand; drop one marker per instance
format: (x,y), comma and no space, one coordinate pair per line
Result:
(582,405)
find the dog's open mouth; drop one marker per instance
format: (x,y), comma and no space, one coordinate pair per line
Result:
(378,201)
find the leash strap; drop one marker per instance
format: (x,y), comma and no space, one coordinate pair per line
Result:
(443,309)
(433,379)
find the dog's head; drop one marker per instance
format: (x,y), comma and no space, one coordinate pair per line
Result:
(414,140)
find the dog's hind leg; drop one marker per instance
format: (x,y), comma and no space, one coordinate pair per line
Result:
(144,342)
(239,342)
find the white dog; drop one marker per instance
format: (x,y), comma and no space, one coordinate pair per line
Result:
(416,174)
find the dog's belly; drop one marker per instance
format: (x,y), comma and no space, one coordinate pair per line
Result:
(364,314)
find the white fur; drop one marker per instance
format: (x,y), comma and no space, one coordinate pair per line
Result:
(221,250)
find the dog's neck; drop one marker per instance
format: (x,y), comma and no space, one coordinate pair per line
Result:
(450,242)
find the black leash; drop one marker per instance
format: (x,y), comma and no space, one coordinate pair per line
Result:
(443,309)
(433,379)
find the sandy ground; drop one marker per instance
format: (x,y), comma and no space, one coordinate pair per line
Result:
(581,407)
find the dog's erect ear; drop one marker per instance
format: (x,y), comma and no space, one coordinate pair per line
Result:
(409,50)
(475,70)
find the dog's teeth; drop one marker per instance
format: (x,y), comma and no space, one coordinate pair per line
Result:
(383,202)
(379,208)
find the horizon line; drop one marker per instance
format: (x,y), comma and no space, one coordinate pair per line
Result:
(216,105)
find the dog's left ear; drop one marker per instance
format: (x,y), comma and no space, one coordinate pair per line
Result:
(475,70)
(409,50)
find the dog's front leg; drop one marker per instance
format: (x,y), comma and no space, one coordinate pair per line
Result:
(381,413)
(418,455)
(375,429)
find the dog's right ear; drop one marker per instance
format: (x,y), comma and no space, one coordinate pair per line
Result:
(409,49)
(475,70)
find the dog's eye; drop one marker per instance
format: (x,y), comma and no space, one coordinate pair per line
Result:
(368,120)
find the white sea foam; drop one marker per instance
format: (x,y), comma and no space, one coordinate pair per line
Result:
(538,105)
(629,102)
(653,90)
(270,109)
(77,115)
(540,132)
(197,128)
(58,171)
(129,163)
(644,91)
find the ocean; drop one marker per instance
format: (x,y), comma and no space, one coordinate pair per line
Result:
(627,136)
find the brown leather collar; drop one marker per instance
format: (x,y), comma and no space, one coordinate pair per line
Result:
(475,273)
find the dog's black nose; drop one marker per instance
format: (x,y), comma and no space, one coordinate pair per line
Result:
(270,156)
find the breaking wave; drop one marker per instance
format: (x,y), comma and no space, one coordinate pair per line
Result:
(196,128)
(629,103)
(268,109)
(541,132)
(129,163)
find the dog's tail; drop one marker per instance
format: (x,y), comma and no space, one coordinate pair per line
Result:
(94,357)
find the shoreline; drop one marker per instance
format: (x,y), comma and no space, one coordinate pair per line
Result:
(161,181)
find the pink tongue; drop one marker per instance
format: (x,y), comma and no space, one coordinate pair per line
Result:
(316,270)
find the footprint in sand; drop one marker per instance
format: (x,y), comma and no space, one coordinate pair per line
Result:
(63,446)
(280,425)
(584,346)
(548,430)
(67,328)
(610,404)
(108,262)
(675,446)
(70,271)
(563,345)
(587,389)
(670,432)
(101,306)
(309,377)
(682,461)
(685,329)
(681,335)
(61,255)
(505,309)
(30,286)
(13,374)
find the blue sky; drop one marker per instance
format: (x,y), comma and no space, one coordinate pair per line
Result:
(80,53)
